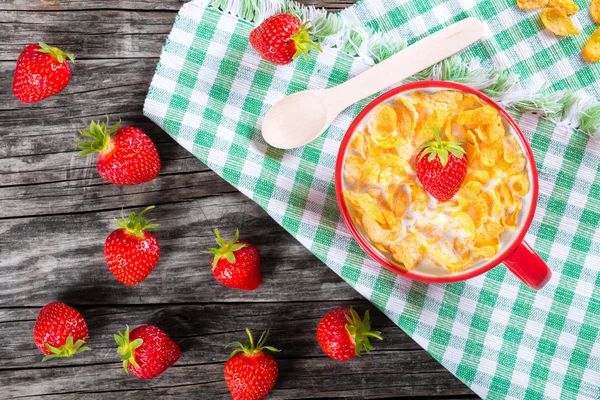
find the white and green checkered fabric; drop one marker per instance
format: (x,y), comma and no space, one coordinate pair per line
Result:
(211,92)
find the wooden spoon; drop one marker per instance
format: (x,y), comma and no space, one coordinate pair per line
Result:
(301,117)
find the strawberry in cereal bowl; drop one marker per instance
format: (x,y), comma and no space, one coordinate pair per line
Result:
(437,183)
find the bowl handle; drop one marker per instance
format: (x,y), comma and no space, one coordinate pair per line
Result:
(528,267)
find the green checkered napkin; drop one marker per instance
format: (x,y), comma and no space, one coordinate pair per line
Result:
(211,92)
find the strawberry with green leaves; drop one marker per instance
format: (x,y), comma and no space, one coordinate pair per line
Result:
(236,263)
(282,38)
(250,373)
(441,166)
(60,331)
(146,351)
(342,334)
(42,71)
(126,155)
(130,251)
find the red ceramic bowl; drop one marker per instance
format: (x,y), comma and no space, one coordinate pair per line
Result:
(516,255)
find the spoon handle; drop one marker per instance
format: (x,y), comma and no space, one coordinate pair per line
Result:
(415,58)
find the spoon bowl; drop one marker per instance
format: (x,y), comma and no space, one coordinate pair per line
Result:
(308,123)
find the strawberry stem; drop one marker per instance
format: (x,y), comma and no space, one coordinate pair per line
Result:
(226,249)
(67,350)
(57,53)
(136,223)
(127,348)
(100,135)
(360,330)
(440,148)
(249,348)
(303,42)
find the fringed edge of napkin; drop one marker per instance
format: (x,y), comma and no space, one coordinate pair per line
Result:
(576,111)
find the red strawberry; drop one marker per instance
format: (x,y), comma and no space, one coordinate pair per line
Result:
(42,71)
(132,253)
(147,351)
(60,331)
(342,334)
(281,39)
(236,263)
(250,374)
(444,170)
(126,158)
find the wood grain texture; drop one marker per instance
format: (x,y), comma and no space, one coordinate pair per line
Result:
(55,213)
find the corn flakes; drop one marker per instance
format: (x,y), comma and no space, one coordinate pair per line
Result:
(413,114)
(480,176)
(491,132)
(568,6)
(471,146)
(531,4)
(383,127)
(595,10)
(591,50)
(409,251)
(358,145)
(519,185)
(512,150)
(558,22)
(485,252)
(376,232)
(353,169)
(424,131)
(490,153)
(366,205)
(382,169)
(478,116)
(399,217)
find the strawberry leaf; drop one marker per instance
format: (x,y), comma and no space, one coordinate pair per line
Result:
(360,330)
(136,223)
(249,347)
(126,348)
(226,249)
(457,153)
(440,148)
(58,54)
(67,350)
(303,42)
(100,135)
(443,157)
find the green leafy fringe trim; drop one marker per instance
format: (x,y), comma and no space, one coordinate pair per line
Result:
(574,110)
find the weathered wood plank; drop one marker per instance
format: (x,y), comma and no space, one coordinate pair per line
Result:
(115,33)
(396,366)
(61,257)
(62,5)
(137,5)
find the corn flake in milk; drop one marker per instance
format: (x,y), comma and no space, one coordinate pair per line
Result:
(400,218)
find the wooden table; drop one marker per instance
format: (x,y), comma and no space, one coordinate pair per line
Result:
(55,213)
